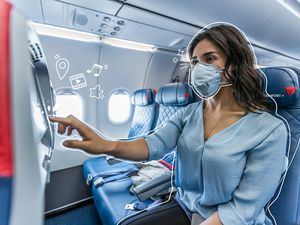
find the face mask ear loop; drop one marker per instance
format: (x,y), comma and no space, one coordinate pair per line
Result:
(189,78)
(226,85)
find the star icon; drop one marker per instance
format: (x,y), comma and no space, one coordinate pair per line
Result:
(175,60)
(180,53)
(96,92)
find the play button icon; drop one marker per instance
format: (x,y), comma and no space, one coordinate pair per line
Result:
(78,81)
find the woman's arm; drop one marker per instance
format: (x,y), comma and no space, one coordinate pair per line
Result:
(95,144)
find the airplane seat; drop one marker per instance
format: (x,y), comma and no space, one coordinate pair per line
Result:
(283,86)
(6,151)
(168,105)
(171,98)
(145,112)
(111,198)
(26,139)
(144,119)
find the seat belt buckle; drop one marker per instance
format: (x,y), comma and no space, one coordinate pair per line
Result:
(136,206)
(129,206)
(89,178)
(98,182)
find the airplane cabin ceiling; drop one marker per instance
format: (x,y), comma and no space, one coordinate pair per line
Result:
(266,22)
(171,23)
(248,15)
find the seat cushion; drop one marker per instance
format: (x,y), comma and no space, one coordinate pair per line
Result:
(95,166)
(110,201)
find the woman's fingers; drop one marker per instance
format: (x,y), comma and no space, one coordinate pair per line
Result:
(67,121)
(90,140)
(63,123)
(70,129)
(75,144)
(70,123)
(61,128)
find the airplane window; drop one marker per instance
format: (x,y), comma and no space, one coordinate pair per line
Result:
(119,107)
(69,104)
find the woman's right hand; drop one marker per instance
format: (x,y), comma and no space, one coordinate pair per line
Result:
(91,142)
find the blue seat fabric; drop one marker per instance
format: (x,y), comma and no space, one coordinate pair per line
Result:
(5,199)
(283,85)
(145,112)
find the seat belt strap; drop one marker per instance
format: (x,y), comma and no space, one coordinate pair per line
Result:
(99,180)
(90,178)
(141,205)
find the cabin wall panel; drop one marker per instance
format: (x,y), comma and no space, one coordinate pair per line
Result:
(161,69)
(81,56)
(126,70)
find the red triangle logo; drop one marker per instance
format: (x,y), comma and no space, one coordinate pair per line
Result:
(290,90)
(186,95)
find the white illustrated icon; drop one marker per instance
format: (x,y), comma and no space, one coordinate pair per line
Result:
(184,65)
(98,68)
(180,55)
(62,66)
(78,81)
(96,92)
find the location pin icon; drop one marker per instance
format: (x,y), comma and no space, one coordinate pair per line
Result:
(62,67)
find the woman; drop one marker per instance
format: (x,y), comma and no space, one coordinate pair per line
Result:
(230,150)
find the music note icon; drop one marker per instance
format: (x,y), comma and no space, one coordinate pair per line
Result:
(97,68)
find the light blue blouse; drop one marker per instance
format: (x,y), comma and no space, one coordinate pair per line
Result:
(235,172)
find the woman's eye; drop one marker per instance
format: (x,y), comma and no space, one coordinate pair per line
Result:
(194,61)
(210,59)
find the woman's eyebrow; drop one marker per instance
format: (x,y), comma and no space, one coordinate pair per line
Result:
(205,54)
(208,53)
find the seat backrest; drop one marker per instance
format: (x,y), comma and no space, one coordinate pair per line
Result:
(145,112)
(6,150)
(170,98)
(283,86)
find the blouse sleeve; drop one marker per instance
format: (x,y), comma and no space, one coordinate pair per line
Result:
(264,167)
(164,139)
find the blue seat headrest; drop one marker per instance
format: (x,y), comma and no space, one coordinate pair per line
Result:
(143,97)
(283,85)
(174,94)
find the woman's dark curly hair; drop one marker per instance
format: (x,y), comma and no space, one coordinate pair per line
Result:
(246,81)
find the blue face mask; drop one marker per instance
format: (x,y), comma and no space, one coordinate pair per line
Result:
(206,80)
